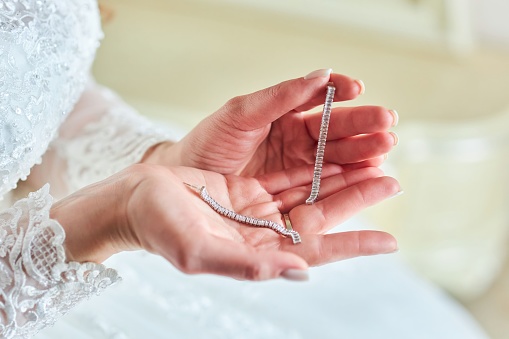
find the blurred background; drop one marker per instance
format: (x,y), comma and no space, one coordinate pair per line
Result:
(442,64)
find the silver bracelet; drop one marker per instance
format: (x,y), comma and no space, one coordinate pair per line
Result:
(322,139)
(204,195)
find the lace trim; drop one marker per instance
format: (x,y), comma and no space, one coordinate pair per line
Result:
(37,286)
(119,139)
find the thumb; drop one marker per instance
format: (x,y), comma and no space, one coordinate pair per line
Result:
(240,261)
(256,110)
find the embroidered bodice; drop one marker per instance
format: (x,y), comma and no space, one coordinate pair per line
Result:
(46,50)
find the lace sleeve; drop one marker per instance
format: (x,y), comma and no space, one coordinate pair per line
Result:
(36,284)
(100,137)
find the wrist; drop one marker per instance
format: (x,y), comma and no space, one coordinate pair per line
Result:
(94,222)
(166,153)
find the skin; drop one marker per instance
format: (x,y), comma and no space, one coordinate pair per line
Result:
(268,131)
(255,156)
(148,207)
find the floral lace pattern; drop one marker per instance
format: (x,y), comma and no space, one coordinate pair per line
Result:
(46,50)
(119,138)
(36,284)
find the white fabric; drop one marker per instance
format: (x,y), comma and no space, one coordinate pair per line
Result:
(101,136)
(36,284)
(46,49)
(372,297)
(115,138)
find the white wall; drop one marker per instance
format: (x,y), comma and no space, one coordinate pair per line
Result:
(491,21)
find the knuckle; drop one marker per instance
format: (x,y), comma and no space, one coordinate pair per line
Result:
(235,104)
(234,112)
(188,258)
(251,273)
(256,272)
(188,264)
(358,244)
(275,91)
(325,251)
(362,196)
(317,254)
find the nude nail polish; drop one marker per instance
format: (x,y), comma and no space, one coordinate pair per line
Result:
(295,274)
(396,138)
(395,117)
(397,194)
(319,73)
(361,86)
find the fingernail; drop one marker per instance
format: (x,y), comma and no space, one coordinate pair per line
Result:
(295,274)
(395,117)
(397,194)
(392,251)
(387,247)
(319,73)
(362,88)
(396,138)
(386,155)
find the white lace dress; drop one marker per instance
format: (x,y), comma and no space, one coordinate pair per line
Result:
(46,50)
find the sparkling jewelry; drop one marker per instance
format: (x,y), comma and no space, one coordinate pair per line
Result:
(322,139)
(202,191)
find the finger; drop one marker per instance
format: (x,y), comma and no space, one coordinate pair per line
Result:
(350,121)
(323,249)
(373,162)
(333,210)
(276,182)
(360,148)
(346,89)
(294,197)
(257,110)
(240,261)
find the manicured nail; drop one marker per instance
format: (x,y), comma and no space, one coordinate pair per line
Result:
(395,117)
(387,247)
(396,138)
(295,274)
(362,88)
(319,73)
(397,194)
(392,251)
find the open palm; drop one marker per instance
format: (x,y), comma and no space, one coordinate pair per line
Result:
(171,220)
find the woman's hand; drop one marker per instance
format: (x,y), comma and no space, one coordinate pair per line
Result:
(267,131)
(149,207)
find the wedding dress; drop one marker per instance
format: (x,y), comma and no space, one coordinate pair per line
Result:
(76,132)
(46,51)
